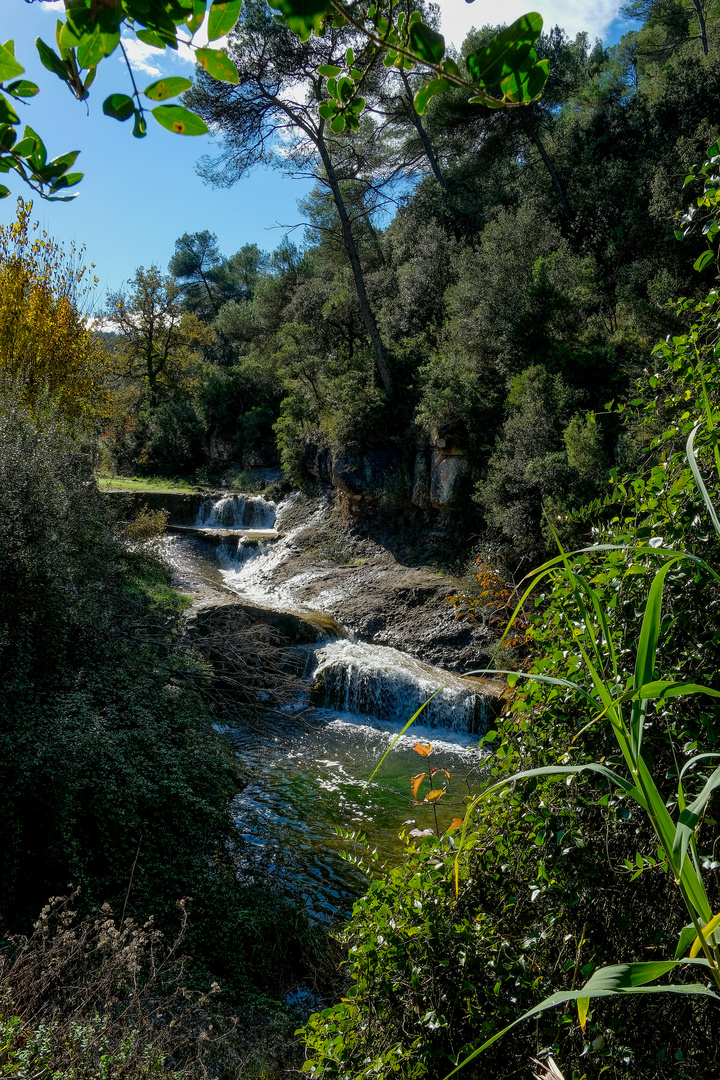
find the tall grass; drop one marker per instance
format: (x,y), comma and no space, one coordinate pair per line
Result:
(623,704)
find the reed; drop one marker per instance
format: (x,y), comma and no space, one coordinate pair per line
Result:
(623,705)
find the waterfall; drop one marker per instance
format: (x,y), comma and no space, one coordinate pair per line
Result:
(390,686)
(236,512)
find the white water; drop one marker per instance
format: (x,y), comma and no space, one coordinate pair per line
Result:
(236,512)
(390,686)
(306,779)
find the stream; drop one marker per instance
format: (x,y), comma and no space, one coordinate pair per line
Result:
(309,774)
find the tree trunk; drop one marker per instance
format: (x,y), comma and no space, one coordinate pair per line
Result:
(359,277)
(425,139)
(703,29)
(547,160)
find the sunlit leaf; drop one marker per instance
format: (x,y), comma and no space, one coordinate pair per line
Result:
(583,1004)
(415,782)
(179,120)
(223,16)
(166,88)
(218,64)
(424,749)
(707,932)
(195,20)
(9,67)
(435,796)
(506,52)
(427,43)
(22,88)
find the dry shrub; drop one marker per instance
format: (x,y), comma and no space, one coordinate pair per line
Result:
(85,999)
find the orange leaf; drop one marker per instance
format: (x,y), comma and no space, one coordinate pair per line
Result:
(415,782)
(434,796)
(422,749)
(456,824)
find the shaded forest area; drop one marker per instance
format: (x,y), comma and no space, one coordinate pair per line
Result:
(475,280)
(472,282)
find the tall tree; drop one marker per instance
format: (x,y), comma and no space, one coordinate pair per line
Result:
(156,338)
(272,116)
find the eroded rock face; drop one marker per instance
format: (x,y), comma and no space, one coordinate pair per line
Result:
(366,474)
(421,480)
(448,480)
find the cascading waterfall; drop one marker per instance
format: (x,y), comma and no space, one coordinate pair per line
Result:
(390,686)
(236,512)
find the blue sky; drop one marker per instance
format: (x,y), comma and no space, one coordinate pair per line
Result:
(140,195)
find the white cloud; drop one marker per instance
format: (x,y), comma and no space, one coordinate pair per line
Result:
(458,17)
(142,57)
(53,5)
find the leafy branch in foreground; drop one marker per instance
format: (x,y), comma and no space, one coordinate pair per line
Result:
(505,73)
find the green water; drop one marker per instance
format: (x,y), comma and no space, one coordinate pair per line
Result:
(307,779)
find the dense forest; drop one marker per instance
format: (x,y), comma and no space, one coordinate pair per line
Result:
(511,269)
(498,324)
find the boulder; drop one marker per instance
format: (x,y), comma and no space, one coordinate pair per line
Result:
(448,479)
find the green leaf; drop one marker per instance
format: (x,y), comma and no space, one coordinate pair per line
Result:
(9,67)
(166,88)
(194,21)
(690,818)
(506,52)
(435,86)
(427,43)
(151,37)
(96,47)
(140,125)
(179,120)
(302,16)
(4,191)
(338,123)
(665,689)
(690,454)
(223,16)
(608,981)
(703,260)
(327,110)
(7,113)
(687,936)
(329,71)
(22,88)
(218,64)
(50,59)
(535,82)
(119,106)
(68,180)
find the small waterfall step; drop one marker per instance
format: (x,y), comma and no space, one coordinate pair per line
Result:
(390,686)
(247,512)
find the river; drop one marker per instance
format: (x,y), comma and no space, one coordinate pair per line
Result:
(309,771)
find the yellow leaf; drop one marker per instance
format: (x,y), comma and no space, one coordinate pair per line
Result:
(583,1005)
(415,782)
(455,824)
(707,931)
(434,796)
(423,749)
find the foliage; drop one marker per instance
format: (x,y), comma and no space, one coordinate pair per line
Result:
(47,350)
(605,620)
(110,762)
